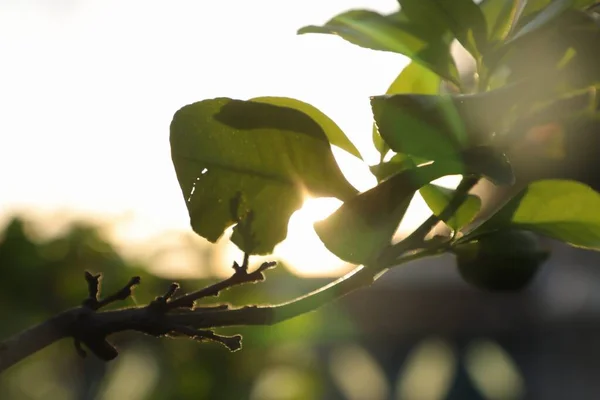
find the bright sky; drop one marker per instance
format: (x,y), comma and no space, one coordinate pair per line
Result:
(88,89)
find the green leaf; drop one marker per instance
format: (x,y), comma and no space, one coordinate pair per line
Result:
(535,6)
(398,163)
(438,197)
(532,15)
(462,17)
(420,126)
(394,33)
(479,160)
(415,79)
(380,145)
(336,136)
(500,16)
(582,33)
(544,17)
(268,156)
(561,209)
(534,55)
(562,55)
(436,127)
(364,225)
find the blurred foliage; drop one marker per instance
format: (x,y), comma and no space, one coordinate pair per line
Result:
(318,355)
(43,277)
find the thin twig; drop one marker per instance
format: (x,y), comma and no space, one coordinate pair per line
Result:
(417,238)
(93,282)
(239,277)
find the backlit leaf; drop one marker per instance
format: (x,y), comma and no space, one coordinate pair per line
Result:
(533,7)
(544,17)
(438,197)
(364,225)
(500,15)
(433,127)
(398,163)
(336,136)
(419,126)
(462,17)
(394,33)
(268,156)
(415,79)
(561,209)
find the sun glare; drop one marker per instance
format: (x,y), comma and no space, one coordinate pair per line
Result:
(103,95)
(303,251)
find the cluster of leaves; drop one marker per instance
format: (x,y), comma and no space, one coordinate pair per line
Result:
(528,113)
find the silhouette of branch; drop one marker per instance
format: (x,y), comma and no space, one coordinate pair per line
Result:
(166,316)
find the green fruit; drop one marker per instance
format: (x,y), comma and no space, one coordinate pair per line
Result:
(505,260)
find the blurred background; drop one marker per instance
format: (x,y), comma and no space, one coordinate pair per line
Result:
(87,91)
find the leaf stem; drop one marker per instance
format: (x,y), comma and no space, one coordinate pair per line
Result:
(417,238)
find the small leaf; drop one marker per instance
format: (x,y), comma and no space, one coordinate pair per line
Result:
(380,145)
(438,197)
(481,160)
(581,64)
(418,126)
(462,17)
(394,33)
(533,7)
(562,55)
(336,136)
(534,55)
(500,15)
(397,164)
(269,156)
(414,79)
(364,225)
(565,210)
(544,17)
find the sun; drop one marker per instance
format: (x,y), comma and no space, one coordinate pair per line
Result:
(302,251)
(305,254)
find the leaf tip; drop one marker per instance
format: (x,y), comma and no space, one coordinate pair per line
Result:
(310,29)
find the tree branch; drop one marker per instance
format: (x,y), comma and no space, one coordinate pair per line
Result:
(87,326)
(35,338)
(178,317)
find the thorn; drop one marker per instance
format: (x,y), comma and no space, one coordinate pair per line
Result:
(93,282)
(173,288)
(233,343)
(267,265)
(124,293)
